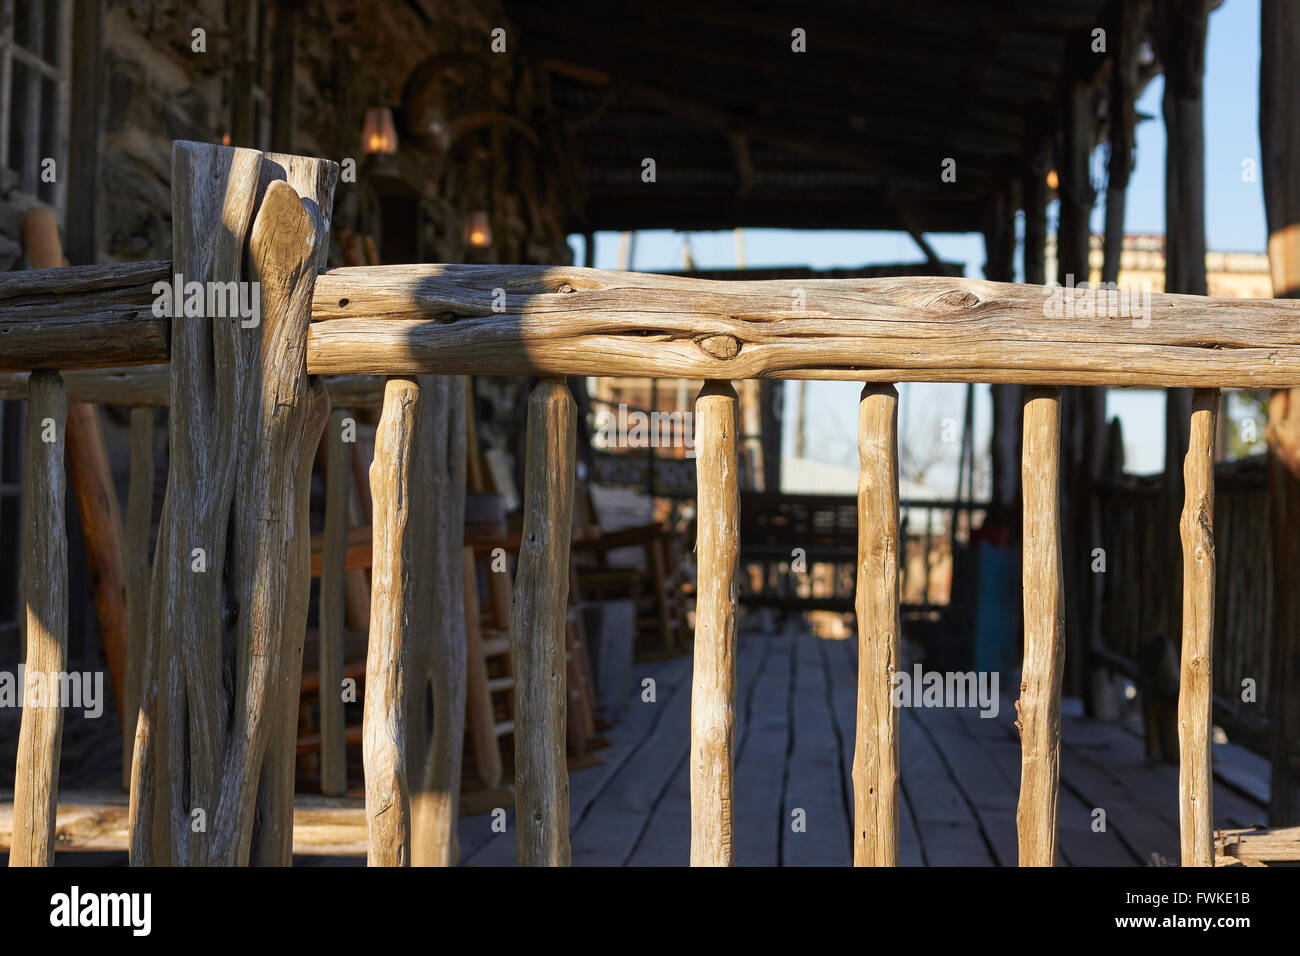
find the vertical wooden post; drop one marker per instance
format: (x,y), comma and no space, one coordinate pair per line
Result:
(875,757)
(1038,711)
(214,740)
(537,628)
(388,804)
(45,588)
(333,747)
(436,662)
(1195,707)
(139,523)
(1279,142)
(713,686)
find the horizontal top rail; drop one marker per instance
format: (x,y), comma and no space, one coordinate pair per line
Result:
(540,320)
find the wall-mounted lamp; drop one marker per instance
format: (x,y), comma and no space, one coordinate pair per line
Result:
(1053,180)
(478,231)
(378,134)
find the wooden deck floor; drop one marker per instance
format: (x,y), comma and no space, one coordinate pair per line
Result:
(960,778)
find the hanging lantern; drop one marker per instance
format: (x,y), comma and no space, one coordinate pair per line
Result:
(378,134)
(478,231)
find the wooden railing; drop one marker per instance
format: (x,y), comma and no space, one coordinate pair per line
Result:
(245,406)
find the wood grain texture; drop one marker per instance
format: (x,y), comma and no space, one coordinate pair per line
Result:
(45,593)
(227,626)
(572,321)
(875,757)
(1038,711)
(537,629)
(82,317)
(139,525)
(338,477)
(388,802)
(149,385)
(436,657)
(713,684)
(1195,690)
(415,319)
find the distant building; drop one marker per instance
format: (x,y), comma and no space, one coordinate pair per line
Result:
(1233,275)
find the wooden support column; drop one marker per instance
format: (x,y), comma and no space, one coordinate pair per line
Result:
(1195,690)
(213,771)
(139,525)
(875,756)
(388,804)
(435,672)
(333,574)
(1038,711)
(537,629)
(1180,29)
(713,685)
(45,590)
(1279,139)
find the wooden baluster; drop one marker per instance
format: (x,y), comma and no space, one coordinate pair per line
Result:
(537,629)
(713,686)
(45,587)
(875,757)
(1039,708)
(1195,709)
(388,802)
(333,747)
(139,525)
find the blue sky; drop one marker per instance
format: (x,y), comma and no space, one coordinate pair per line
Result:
(1234,222)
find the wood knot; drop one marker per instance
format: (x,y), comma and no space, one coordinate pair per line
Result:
(447,317)
(958,299)
(720,346)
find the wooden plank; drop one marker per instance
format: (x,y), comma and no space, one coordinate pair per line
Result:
(139,531)
(761,757)
(1039,707)
(333,753)
(812,798)
(628,743)
(573,321)
(713,693)
(45,586)
(1195,691)
(388,807)
(662,840)
(875,758)
(537,628)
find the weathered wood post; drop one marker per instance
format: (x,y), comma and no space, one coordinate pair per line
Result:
(388,803)
(1195,690)
(875,756)
(713,685)
(1039,708)
(333,746)
(45,589)
(537,629)
(213,770)
(436,661)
